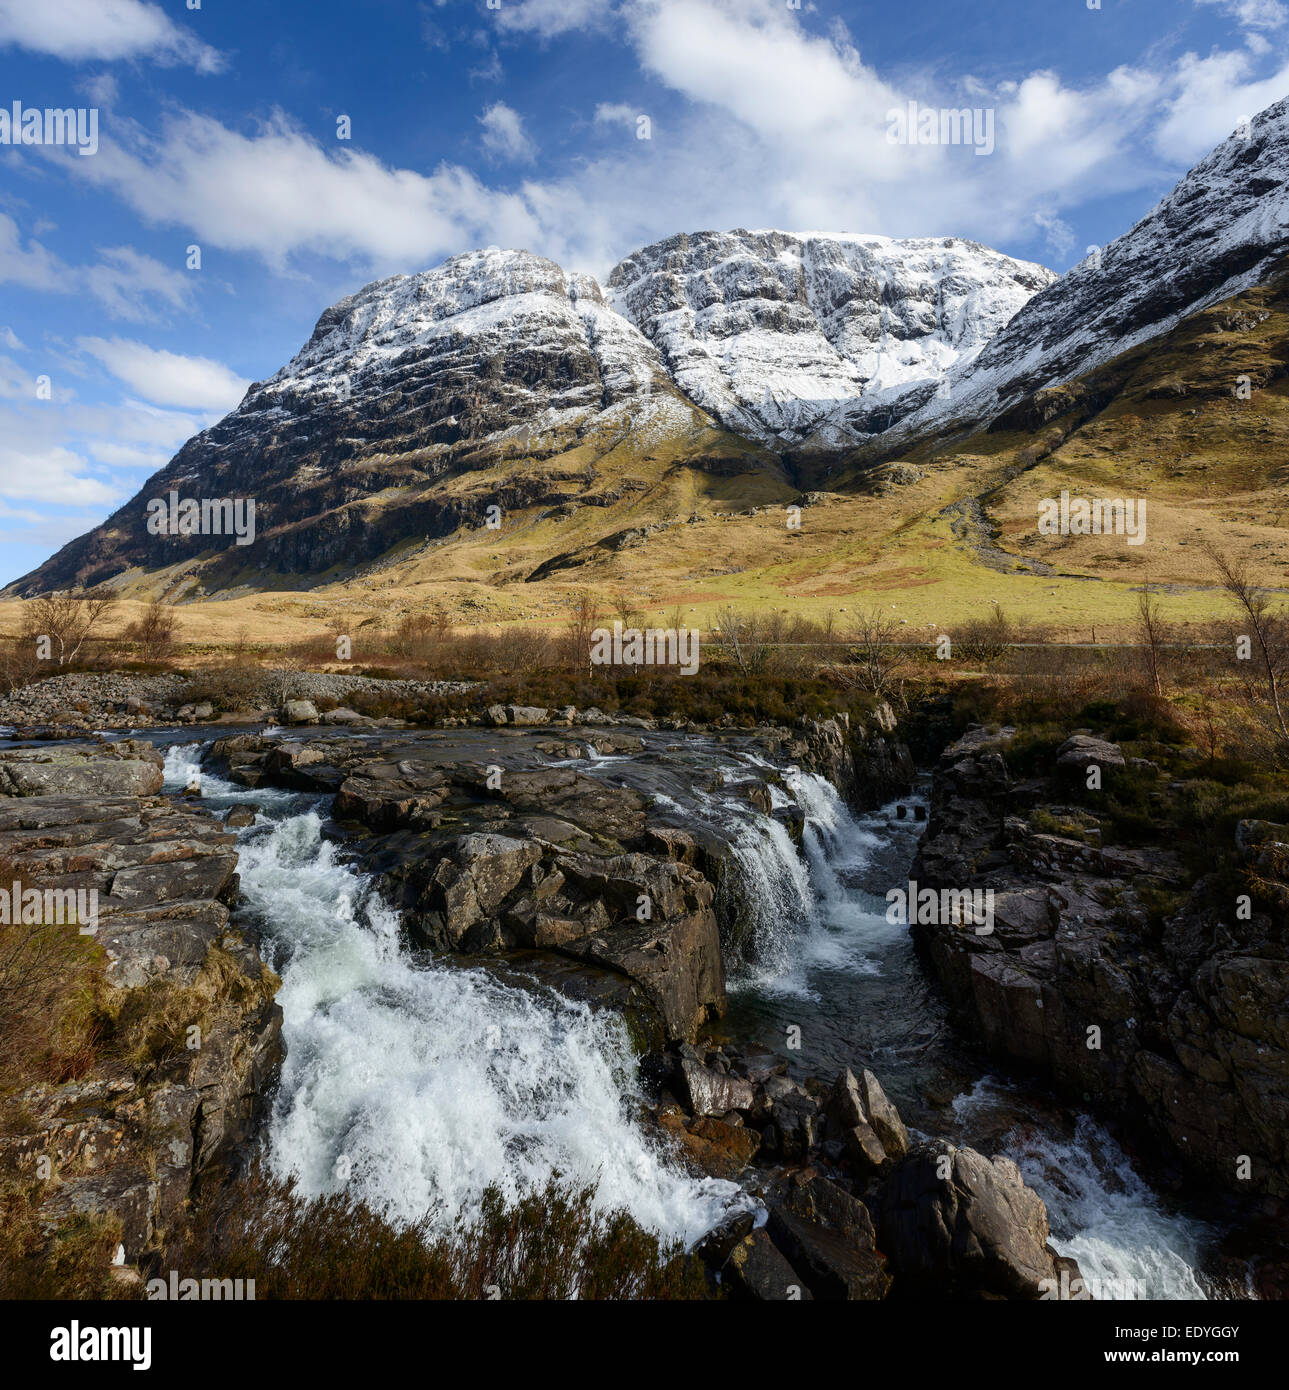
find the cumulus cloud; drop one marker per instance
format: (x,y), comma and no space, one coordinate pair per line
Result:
(278,192)
(764,121)
(1210,97)
(504,134)
(167,378)
(80,31)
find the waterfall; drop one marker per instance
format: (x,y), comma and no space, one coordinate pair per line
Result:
(420,1084)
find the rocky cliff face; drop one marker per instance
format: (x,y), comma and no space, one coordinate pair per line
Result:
(135,1132)
(1180,1025)
(812,340)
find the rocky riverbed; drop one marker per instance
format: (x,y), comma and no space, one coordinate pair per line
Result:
(133,1134)
(507,951)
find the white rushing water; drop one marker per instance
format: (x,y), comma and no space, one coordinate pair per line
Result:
(1099,1209)
(420,1085)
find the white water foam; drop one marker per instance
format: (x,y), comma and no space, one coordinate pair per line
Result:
(425,1083)
(1101,1212)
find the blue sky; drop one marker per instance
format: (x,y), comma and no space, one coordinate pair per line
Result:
(518,125)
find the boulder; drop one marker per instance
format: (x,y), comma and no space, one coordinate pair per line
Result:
(123,770)
(1079,751)
(527,716)
(300,712)
(757,1269)
(957,1224)
(709,1092)
(343,716)
(827,1236)
(870,1126)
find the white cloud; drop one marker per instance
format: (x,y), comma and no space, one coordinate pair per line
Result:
(546,18)
(615,113)
(1253,14)
(126,282)
(762,122)
(167,378)
(49,473)
(504,134)
(80,31)
(279,192)
(31,266)
(11,340)
(1211,96)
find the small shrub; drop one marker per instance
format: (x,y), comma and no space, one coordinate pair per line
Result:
(548,1245)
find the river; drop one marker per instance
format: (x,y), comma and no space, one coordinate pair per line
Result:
(420,1083)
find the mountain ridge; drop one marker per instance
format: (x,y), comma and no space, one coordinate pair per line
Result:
(716,369)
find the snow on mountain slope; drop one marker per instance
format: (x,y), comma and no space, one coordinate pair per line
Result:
(1220,231)
(561,347)
(793,337)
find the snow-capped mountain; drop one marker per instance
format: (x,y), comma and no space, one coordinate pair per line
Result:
(499,376)
(486,341)
(791,338)
(1221,230)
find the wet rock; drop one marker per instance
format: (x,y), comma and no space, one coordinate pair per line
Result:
(756,1269)
(1170,1029)
(956,1224)
(870,1126)
(709,1092)
(827,1236)
(300,712)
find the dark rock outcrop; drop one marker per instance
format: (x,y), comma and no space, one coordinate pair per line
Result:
(956,1224)
(1182,1027)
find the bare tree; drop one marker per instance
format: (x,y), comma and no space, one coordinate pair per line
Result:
(154,631)
(65,620)
(876,659)
(19,664)
(1152,633)
(1268,639)
(581,624)
(743,640)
